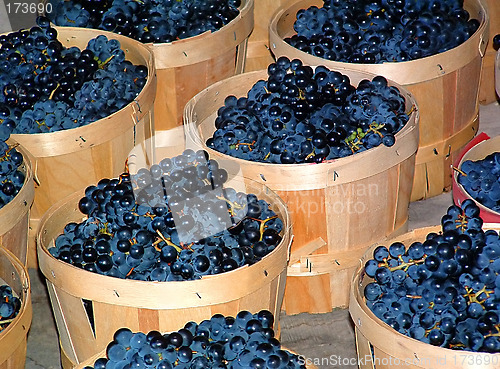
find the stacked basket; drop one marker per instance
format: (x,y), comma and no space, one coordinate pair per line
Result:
(446,87)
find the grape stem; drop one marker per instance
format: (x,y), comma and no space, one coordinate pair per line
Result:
(263,224)
(168,241)
(473,296)
(459,171)
(6,155)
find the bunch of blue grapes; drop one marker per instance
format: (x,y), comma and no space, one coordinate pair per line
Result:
(380,31)
(174,221)
(11,177)
(481,180)
(10,305)
(303,115)
(155,21)
(444,291)
(46,87)
(244,341)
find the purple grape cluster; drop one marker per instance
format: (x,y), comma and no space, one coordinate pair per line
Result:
(241,342)
(301,115)
(46,87)
(377,31)
(174,221)
(444,291)
(10,305)
(155,21)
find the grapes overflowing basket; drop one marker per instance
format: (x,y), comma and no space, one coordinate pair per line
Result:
(226,341)
(139,284)
(446,316)
(327,253)
(448,119)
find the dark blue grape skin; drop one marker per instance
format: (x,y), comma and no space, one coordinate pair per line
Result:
(305,115)
(10,306)
(48,87)
(216,343)
(146,21)
(444,291)
(388,32)
(134,228)
(481,180)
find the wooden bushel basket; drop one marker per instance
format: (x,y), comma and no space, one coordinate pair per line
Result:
(14,216)
(69,160)
(445,86)
(187,66)
(487,93)
(483,146)
(337,208)
(392,349)
(145,306)
(13,339)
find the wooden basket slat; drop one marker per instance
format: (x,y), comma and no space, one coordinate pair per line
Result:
(259,55)
(446,87)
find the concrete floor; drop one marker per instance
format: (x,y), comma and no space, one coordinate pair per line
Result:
(328,337)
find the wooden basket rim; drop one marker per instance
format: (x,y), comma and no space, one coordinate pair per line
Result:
(396,344)
(313,176)
(485,148)
(406,73)
(81,138)
(123,292)
(16,332)
(16,209)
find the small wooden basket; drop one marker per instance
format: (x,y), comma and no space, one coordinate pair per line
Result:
(69,160)
(445,86)
(337,208)
(144,306)
(14,216)
(185,67)
(392,349)
(13,339)
(483,146)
